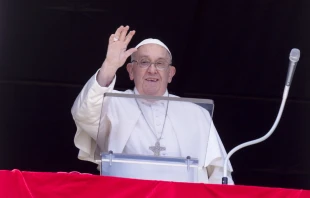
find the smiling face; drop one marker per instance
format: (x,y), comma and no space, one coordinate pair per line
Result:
(151,81)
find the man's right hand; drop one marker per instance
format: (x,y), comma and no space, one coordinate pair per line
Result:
(117,54)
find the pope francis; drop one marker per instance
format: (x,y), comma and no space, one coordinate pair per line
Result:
(141,127)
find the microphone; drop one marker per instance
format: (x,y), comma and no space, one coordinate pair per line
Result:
(294,58)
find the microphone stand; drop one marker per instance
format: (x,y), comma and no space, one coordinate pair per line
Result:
(294,57)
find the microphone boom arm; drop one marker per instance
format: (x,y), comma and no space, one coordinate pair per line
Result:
(249,143)
(294,58)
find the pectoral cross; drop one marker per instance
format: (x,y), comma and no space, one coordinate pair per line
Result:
(157,148)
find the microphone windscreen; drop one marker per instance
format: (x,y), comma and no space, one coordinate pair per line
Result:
(294,55)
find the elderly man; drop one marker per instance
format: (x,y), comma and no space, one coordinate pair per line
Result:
(129,127)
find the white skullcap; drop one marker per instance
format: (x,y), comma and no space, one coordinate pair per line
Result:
(153,41)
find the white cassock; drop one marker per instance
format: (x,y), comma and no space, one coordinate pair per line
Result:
(188,129)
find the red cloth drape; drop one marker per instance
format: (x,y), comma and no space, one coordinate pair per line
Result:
(21,184)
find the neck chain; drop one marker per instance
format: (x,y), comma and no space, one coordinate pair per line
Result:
(157,148)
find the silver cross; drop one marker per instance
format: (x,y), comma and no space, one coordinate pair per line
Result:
(157,148)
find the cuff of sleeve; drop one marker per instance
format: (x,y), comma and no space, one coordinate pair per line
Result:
(98,88)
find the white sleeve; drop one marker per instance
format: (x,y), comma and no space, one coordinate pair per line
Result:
(86,115)
(215,158)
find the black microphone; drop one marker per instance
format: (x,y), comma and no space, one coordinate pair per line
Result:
(294,58)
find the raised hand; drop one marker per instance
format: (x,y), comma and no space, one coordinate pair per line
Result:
(116,56)
(117,52)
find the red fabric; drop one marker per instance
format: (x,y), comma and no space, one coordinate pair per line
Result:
(17,184)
